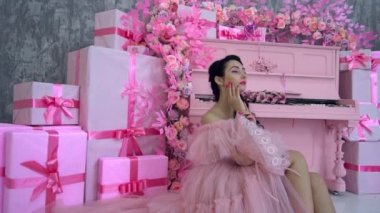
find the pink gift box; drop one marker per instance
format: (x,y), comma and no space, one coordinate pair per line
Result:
(231,33)
(44,166)
(142,175)
(208,17)
(36,103)
(110,31)
(362,162)
(12,127)
(360,59)
(107,94)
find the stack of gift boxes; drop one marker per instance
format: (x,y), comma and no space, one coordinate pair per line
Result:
(91,138)
(359,81)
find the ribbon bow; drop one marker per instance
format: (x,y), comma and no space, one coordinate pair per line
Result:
(128,148)
(52,182)
(375,62)
(362,125)
(55,105)
(136,187)
(356,59)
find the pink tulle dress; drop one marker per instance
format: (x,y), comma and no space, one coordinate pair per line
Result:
(216,183)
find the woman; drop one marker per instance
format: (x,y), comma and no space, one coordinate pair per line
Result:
(228,78)
(237,165)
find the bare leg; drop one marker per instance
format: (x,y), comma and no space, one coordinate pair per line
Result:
(321,198)
(301,183)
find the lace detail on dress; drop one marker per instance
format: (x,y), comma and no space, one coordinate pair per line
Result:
(276,159)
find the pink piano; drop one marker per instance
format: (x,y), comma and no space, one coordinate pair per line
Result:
(307,74)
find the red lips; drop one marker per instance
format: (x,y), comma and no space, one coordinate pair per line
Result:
(243,82)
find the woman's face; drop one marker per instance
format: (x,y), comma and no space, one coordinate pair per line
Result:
(235,73)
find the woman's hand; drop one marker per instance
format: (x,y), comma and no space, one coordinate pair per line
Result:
(234,99)
(240,159)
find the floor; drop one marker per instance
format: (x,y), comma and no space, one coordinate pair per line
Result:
(352,203)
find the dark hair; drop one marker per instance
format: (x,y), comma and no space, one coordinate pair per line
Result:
(217,69)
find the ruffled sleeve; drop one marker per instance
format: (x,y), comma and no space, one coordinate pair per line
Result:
(265,148)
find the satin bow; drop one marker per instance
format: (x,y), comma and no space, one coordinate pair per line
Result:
(57,104)
(52,182)
(136,187)
(128,148)
(356,59)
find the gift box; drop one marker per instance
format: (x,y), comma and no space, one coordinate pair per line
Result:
(140,175)
(120,93)
(43,167)
(12,127)
(231,33)
(116,29)
(207,19)
(357,59)
(357,84)
(369,110)
(362,163)
(36,103)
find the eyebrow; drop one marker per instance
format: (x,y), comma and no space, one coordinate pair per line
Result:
(243,68)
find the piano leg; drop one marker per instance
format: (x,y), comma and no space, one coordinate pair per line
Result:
(338,185)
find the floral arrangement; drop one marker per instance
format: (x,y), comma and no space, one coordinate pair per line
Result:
(315,22)
(175,39)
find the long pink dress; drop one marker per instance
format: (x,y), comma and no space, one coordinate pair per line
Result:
(216,183)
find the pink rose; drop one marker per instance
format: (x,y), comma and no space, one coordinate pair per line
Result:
(280,16)
(178,125)
(317,35)
(182,104)
(184,120)
(167,32)
(173,165)
(296,15)
(171,132)
(306,21)
(171,63)
(173,97)
(164,5)
(322,26)
(313,26)
(182,145)
(176,186)
(281,24)
(295,29)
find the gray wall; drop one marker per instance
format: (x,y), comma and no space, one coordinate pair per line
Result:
(35,36)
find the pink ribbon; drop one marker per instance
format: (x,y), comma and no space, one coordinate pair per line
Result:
(375,62)
(115,30)
(129,145)
(361,168)
(55,105)
(134,186)
(356,59)
(363,122)
(2,171)
(51,182)
(227,34)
